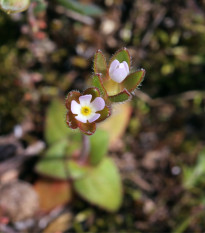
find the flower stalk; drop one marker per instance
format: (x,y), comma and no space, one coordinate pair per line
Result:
(85,150)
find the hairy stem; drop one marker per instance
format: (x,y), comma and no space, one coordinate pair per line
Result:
(85,148)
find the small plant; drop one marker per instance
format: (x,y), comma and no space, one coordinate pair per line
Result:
(83,161)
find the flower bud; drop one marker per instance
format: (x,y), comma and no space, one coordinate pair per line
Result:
(14,6)
(118,71)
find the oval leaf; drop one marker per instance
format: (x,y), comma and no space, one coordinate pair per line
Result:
(76,170)
(102,186)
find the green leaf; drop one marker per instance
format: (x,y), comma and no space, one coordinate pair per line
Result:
(104,114)
(121,55)
(121,97)
(85,9)
(76,170)
(97,82)
(133,80)
(99,140)
(102,186)
(53,164)
(56,128)
(100,65)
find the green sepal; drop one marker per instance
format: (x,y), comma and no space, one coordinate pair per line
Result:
(133,80)
(120,97)
(87,128)
(92,91)
(100,64)
(97,82)
(105,113)
(121,55)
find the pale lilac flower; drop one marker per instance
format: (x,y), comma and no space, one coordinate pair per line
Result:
(118,71)
(86,110)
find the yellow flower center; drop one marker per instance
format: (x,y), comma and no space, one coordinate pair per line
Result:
(85,110)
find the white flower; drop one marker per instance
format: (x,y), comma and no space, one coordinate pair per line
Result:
(118,71)
(86,110)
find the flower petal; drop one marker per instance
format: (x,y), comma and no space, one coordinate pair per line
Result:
(98,104)
(85,99)
(126,67)
(81,118)
(118,75)
(75,107)
(94,117)
(113,66)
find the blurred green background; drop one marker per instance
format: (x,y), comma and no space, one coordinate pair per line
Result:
(48,50)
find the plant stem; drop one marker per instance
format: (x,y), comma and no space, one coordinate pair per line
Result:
(85,148)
